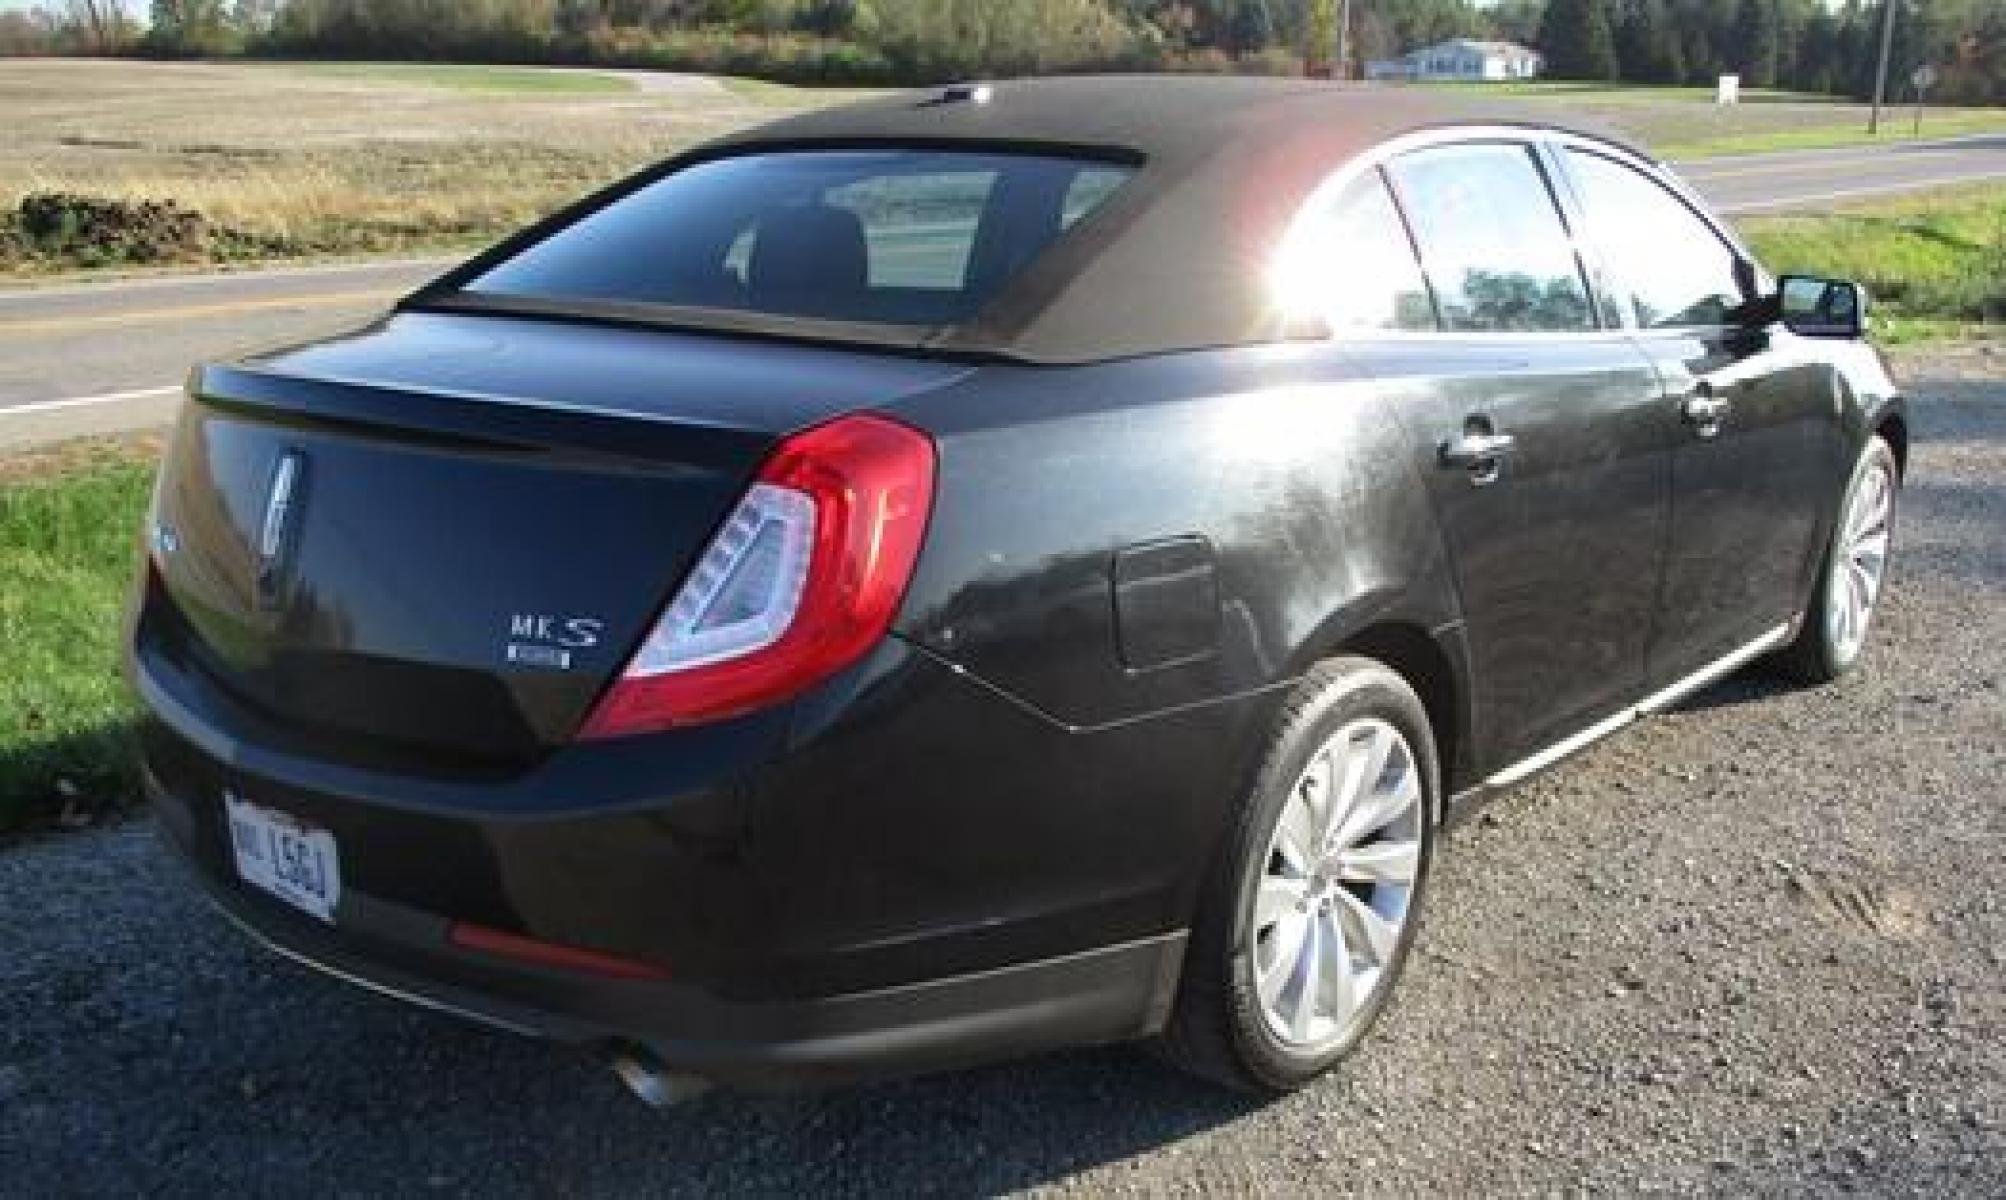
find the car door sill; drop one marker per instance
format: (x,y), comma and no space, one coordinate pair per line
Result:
(1657,701)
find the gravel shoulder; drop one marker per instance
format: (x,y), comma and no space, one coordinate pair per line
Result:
(1755,945)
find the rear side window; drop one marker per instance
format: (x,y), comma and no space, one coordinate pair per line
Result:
(1676,268)
(904,237)
(1350,265)
(1491,240)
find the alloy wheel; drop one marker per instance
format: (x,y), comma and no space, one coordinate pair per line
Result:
(1334,897)
(1860,560)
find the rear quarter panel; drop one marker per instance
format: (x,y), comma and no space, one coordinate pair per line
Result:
(1282,459)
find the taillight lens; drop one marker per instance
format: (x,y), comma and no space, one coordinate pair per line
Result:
(803,578)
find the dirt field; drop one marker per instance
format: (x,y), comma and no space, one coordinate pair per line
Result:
(343,159)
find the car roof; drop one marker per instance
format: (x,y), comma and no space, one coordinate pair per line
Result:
(1184,118)
(1178,258)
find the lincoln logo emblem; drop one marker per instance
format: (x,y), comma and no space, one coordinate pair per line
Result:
(275,536)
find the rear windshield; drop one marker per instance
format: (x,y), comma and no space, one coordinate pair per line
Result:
(901,237)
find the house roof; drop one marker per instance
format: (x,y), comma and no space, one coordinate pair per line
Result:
(1486,48)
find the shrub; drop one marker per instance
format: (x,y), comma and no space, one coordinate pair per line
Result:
(92,231)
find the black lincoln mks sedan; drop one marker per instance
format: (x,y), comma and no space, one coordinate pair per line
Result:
(989,569)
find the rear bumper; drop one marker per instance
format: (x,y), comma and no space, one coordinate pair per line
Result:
(903,872)
(1109,994)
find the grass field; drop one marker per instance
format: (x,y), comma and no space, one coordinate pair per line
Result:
(1938,124)
(68,525)
(512,80)
(291,160)
(1935,262)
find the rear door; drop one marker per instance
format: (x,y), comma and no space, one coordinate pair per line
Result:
(1542,442)
(1758,444)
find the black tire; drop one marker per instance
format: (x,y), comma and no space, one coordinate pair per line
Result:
(1216,1029)
(1817,655)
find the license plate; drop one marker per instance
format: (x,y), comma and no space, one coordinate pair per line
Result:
(285,856)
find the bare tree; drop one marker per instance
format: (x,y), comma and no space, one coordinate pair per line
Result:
(103,26)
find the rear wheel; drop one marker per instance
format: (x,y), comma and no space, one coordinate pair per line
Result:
(1308,917)
(1856,565)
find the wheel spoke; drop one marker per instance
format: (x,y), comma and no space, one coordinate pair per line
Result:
(1371,934)
(1391,861)
(1276,899)
(1283,953)
(1296,837)
(1870,505)
(1871,550)
(1381,807)
(1341,985)
(1868,582)
(1319,791)
(1307,977)
(1363,765)
(1877,516)
(1860,593)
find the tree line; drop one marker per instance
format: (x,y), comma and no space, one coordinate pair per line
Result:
(1808,45)
(1804,45)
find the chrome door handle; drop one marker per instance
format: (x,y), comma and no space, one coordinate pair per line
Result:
(1477,449)
(1481,454)
(1704,411)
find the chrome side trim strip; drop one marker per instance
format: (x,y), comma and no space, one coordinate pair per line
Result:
(1720,669)
(1656,702)
(1561,749)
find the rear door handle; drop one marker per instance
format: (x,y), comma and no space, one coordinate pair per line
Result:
(1704,411)
(1470,449)
(1480,453)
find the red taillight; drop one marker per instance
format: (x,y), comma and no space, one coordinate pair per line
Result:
(804,577)
(549,954)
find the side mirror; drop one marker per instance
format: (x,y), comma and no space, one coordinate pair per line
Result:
(1825,308)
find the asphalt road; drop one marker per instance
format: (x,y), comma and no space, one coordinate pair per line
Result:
(1753,946)
(106,357)
(1810,179)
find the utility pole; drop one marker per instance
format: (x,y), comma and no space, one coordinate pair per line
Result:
(1343,65)
(1881,70)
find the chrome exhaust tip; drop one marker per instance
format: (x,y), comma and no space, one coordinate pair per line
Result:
(652,1083)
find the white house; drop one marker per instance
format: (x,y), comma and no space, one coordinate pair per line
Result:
(1460,58)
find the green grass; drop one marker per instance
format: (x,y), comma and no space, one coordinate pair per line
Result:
(67,555)
(1897,128)
(788,96)
(1935,263)
(511,80)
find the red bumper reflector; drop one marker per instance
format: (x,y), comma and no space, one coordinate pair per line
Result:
(548,954)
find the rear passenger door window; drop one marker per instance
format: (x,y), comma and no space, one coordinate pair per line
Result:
(1350,265)
(1492,240)
(1677,270)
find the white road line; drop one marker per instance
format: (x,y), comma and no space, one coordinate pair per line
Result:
(42,406)
(30,292)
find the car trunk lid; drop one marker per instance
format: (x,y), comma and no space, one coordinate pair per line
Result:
(448,532)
